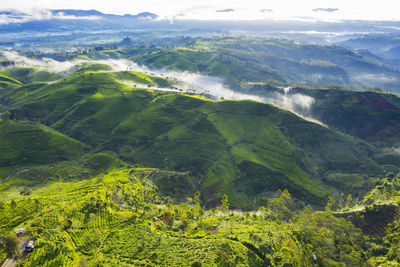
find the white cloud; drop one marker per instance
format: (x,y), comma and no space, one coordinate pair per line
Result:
(355,9)
(34,14)
(213,87)
(250,9)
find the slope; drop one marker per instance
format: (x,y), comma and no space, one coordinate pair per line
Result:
(241,59)
(243,148)
(33,143)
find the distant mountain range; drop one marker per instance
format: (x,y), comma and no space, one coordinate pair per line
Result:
(73,13)
(86,20)
(84,13)
(66,20)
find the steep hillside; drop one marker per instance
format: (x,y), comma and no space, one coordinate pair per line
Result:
(371,116)
(257,60)
(111,168)
(32,143)
(7,83)
(243,148)
(30,74)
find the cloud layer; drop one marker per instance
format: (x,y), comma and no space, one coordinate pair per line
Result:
(329,10)
(212,87)
(34,14)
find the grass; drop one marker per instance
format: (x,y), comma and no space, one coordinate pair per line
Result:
(217,142)
(30,143)
(111,179)
(30,74)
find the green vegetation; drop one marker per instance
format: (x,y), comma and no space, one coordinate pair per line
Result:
(28,75)
(210,140)
(103,169)
(119,218)
(370,116)
(32,143)
(246,60)
(11,244)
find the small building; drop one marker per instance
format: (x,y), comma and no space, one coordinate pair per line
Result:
(29,246)
(20,231)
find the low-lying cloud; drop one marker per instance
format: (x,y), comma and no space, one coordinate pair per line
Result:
(373,78)
(35,14)
(294,102)
(212,87)
(49,64)
(215,88)
(391,151)
(266,10)
(66,67)
(225,10)
(329,9)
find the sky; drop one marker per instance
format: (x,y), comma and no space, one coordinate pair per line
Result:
(233,9)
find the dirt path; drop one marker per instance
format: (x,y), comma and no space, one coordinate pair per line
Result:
(13,262)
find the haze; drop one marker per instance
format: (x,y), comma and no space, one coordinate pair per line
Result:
(235,9)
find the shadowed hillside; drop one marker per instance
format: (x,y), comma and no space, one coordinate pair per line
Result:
(241,59)
(243,148)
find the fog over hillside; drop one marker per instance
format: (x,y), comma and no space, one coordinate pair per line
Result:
(212,87)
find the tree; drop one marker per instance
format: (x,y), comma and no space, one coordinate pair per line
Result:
(331,203)
(5,115)
(307,210)
(168,217)
(13,204)
(286,195)
(225,203)
(349,200)
(37,203)
(11,243)
(341,203)
(196,199)
(283,205)
(390,176)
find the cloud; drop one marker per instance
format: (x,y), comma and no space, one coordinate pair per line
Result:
(374,79)
(266,10)
(55,66)
(35,14)
(391,151)
(49,64)
(212,87)
(225,10)
(215,88)
(329,9)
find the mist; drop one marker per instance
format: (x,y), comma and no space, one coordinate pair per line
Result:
(391,151)
(67,66)
(216,89)
(212,87)
(49,64)
(37,14)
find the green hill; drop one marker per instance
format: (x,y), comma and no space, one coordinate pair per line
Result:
(103,169)
(371,116)
(245,59)
(245,149)
(32,143)
(7,83)
(30,74)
